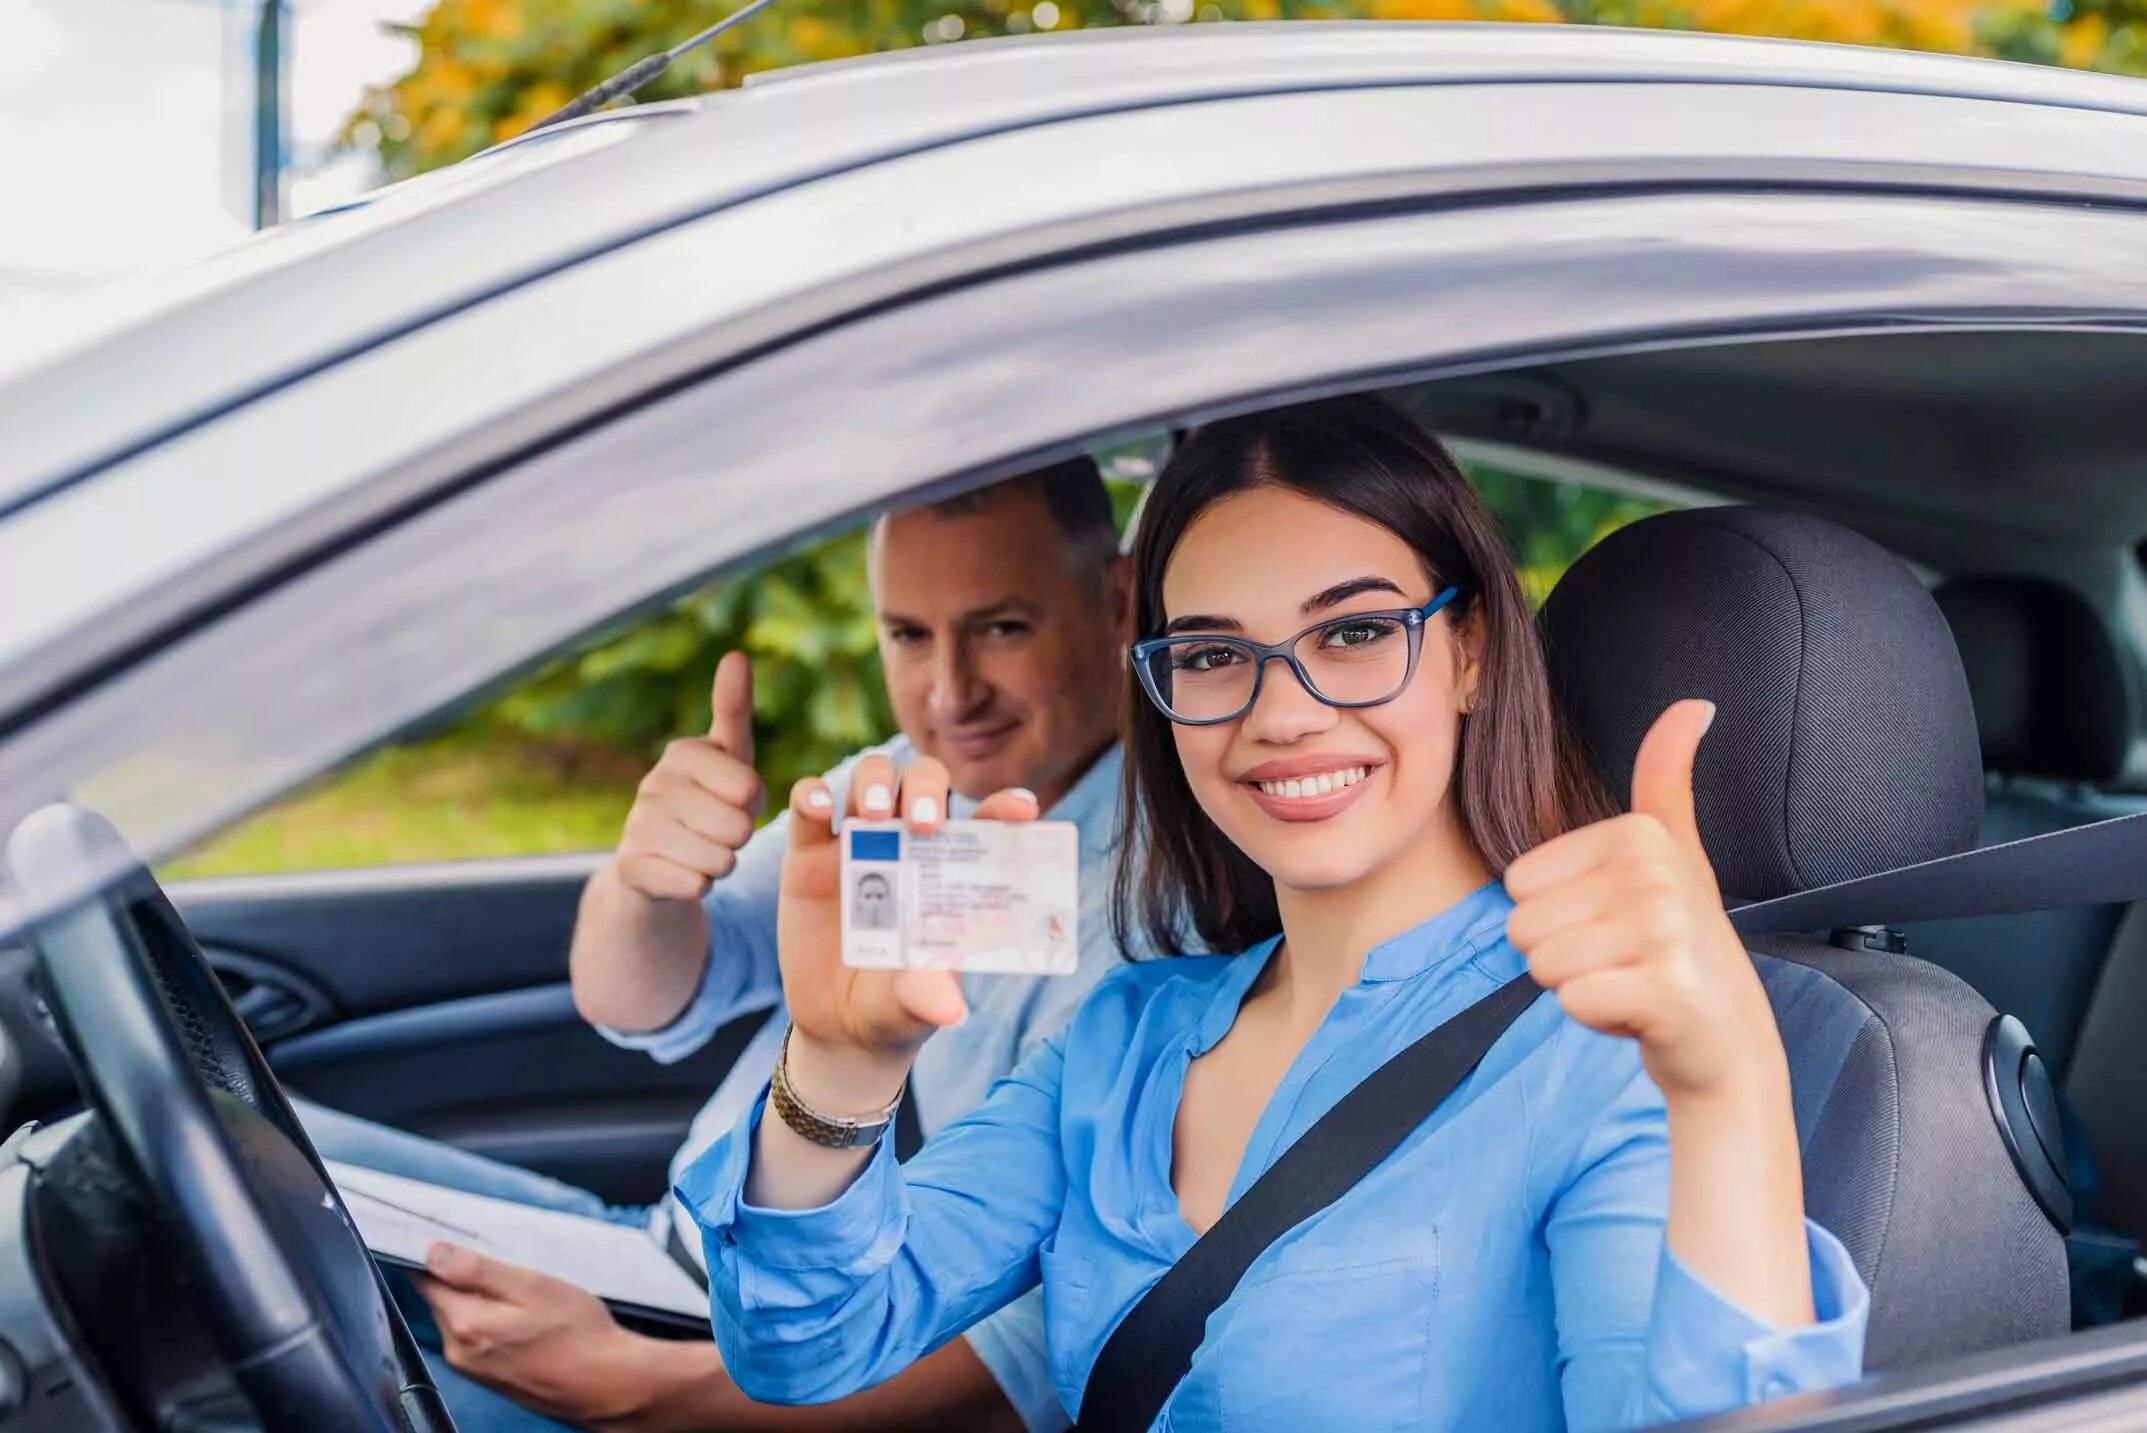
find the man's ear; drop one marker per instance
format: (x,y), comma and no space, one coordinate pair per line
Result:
(1118,596)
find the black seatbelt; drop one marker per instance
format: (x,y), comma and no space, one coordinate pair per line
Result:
(2100,864)
(1152,1347)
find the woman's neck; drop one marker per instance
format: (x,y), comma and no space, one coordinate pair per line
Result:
(1326,934)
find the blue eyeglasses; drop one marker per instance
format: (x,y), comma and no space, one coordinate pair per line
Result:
(1362,660)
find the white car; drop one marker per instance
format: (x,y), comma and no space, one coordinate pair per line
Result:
(317,492)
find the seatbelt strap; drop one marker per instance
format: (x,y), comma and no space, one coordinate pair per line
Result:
(1152,1347)
(2100,864)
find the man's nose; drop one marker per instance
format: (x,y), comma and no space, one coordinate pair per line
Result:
(956,692)
(1283,711)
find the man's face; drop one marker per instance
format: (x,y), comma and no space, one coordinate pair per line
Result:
(1002,661)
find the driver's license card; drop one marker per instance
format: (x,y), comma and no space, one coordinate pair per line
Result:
(985,896)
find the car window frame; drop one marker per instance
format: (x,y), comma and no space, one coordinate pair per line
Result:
(1227,320)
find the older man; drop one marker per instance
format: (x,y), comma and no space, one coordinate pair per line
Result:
(1003,618)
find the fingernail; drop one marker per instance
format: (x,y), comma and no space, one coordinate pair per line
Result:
(1025,794)
(818,800)
(1710,719)
(924,810)
(442,1258)
(879,798)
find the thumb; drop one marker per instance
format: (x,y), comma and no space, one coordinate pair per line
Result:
(462,1268)
(933,997)
(730,706)
(1662,770)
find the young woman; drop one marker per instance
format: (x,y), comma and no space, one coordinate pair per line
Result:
(1344,765)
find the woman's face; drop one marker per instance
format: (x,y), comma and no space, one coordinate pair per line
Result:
(1265,564)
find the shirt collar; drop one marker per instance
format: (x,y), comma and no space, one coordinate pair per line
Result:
(1468,926)
(1091,803)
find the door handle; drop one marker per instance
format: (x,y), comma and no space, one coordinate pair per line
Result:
(275,1003)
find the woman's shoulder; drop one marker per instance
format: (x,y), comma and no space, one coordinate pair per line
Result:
(1138,989)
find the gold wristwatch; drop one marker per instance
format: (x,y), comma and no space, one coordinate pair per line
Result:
(834,1131)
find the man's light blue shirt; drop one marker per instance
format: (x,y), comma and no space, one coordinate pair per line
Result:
(1009,1016)
(1505,1268)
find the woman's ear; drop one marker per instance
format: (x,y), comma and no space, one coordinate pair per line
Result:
(1469,646)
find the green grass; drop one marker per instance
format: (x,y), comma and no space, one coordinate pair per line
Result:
(453,799)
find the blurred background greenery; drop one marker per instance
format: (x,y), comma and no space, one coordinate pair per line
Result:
(552,765)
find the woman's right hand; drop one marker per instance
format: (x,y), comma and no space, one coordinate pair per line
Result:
(882,1015)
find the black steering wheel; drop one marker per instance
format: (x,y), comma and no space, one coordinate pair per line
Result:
(202,1131)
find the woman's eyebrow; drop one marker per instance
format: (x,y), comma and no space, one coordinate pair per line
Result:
(1342,591)
(1202,622)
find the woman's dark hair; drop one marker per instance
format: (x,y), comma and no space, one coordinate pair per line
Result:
(1522,778)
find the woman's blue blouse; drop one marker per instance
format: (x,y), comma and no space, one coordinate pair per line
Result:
(1505,1268)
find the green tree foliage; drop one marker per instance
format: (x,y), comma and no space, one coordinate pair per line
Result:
(805,620)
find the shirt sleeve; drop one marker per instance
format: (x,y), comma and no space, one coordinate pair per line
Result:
(815,1304)
(741,973)
(1643,1340)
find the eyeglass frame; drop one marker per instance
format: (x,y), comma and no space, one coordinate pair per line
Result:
(1411,618)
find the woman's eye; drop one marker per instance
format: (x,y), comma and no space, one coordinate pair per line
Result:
(1203,659)
(1360,634)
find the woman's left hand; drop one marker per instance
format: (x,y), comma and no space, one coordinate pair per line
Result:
(1623,920)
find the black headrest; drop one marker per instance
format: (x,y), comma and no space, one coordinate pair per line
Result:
(2047,680)
(1844,742)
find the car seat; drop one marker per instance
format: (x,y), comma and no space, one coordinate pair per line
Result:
(1844,744)
(2054,718)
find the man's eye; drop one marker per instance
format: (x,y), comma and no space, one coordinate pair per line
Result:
(906,636)
(1007,627)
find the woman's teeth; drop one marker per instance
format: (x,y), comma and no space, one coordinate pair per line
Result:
(1324,784)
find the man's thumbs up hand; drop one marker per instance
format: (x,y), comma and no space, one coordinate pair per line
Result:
(697,806)
(1623,920)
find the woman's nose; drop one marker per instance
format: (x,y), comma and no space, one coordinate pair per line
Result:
(1282,710)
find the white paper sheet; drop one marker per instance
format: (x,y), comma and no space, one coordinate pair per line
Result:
(399,1218)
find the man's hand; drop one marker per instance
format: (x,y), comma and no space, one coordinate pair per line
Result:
(543,1342)
(697,806)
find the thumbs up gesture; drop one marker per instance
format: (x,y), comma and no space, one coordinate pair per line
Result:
(1623,920)
(697,806)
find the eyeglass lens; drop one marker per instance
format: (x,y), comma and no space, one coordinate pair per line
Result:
(1351,660)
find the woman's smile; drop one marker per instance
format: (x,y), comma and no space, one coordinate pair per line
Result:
(1309,788)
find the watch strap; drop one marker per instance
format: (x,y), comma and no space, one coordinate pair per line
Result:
(833,1131)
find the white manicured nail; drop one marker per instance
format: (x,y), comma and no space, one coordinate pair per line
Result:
(819,800)
(1025,794)
(924,810)
(879,798)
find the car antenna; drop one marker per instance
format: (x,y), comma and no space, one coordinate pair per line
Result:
(634,76)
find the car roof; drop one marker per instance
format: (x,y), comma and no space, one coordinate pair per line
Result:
(314,293)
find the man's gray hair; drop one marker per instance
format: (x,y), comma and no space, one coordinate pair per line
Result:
(1079,504)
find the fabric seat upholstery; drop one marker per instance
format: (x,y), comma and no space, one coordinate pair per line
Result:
(1844,744)
(2054,719)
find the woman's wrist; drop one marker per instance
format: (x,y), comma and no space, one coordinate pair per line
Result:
(844,1081)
